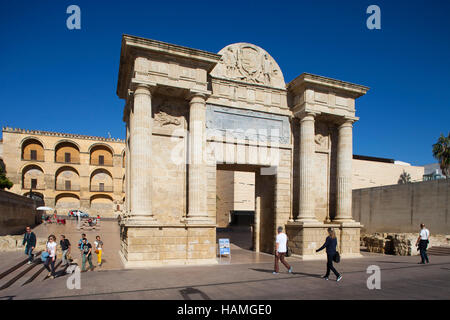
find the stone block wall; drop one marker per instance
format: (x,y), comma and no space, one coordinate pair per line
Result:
(167,245)
(306,238)
(16,212)
(401,208)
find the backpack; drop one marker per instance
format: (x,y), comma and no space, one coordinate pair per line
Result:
(44,256)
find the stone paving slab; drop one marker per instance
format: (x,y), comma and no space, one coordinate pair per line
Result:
(401,278)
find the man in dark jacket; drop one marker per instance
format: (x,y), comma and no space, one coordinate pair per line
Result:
(29,239)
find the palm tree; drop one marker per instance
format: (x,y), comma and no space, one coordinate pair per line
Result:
(405,178)
(441,151)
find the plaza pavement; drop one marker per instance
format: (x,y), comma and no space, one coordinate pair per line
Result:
(401,278)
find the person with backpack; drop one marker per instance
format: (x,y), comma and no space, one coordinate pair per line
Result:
(330,245)
(65,247)
(51,259)
(98,250)
(80,242)
(86,255)
(29,238)
(280,250)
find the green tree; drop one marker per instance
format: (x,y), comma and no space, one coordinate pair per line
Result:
(4,181)
(441,151)
(405,177)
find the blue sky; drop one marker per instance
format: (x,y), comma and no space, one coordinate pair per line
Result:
(56,79)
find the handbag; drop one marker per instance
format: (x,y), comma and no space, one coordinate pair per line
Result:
(337,257)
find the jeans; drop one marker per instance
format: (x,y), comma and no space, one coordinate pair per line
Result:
(330,266)
(64,257)
(281,258)
(29,253)
(89,259)
(50,262)
(423,250)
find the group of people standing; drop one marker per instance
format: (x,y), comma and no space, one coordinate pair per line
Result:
(49,255)
(330,244)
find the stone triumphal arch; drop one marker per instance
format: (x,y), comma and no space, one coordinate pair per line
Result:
(189,112)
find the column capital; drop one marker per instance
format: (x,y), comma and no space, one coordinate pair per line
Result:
(137,84)
(192,94)
(346,122)
(307,116)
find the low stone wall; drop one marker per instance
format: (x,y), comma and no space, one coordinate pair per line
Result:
(402,244)
(14,243)
(17,212)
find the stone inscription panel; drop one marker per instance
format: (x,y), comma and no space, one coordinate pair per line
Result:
(246,124)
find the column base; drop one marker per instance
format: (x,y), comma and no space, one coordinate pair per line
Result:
(306,237)
(167,244)
(138,221)
(198,220)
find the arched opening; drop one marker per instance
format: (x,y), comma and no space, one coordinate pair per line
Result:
(101,181)
(123,184)
(33,177)
(67,152)
(101,155)
(35,195)
(32,150)
(67,201)
(123,159)
(67,179)
(102,204)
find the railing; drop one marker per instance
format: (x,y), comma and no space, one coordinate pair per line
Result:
(62,159)
(106,162)
(27,186)
(28,158)
(101,189)
(63,187)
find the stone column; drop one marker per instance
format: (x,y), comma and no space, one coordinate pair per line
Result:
(307,152)
(141,155)
(344,173)
(197,167)
(127,169)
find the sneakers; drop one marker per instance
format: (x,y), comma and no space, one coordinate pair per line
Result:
(52,277)
(274,272)
(290,270)
(29,262)
(325,277)
(49,274)
(339,278)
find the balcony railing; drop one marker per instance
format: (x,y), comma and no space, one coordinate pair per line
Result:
(29,158)
(62,159)
(101,189)
(63,187)
(106,162)
(27,186)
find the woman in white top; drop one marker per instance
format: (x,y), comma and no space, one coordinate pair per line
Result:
(51,249)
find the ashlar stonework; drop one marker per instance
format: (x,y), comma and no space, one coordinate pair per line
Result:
(190,113)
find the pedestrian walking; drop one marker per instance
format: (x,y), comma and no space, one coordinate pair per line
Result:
(29,238)
(51,259)
(280,250)
(86,255)
(330,244)
(98,249)
(422,243)
(65,247)
(80,243)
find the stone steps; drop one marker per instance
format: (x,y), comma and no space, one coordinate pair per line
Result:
(439,251)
